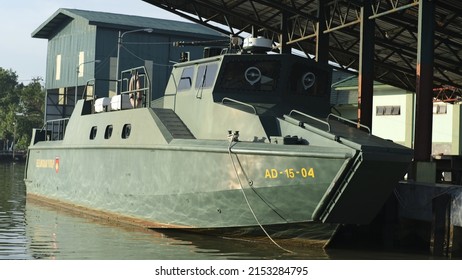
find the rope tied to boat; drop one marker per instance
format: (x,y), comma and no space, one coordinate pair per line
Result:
(250,182)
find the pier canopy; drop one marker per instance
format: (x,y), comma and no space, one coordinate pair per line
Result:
(303,25)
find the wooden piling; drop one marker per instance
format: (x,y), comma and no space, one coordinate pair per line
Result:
(441,232)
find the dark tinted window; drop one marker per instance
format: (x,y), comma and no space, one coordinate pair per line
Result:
(126,130)
(306,80)
(93,132)
(108,132)
(258,76)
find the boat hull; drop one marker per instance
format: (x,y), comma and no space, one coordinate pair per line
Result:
(209,186)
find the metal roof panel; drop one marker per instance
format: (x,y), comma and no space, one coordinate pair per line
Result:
(119,21)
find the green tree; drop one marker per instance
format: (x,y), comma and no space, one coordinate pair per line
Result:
(21,109)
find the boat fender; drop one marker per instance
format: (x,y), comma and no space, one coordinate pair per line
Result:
(133,88)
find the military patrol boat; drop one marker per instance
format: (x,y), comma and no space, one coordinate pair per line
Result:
(239,141)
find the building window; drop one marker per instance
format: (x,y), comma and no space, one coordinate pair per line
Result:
(388,110)
(62,96)
(93,132)
(440,109)
(81,63)
(126,131)
(108,132)
(58,67)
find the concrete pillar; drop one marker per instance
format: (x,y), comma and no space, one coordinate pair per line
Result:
(441,240)
(456,146)
(409,137)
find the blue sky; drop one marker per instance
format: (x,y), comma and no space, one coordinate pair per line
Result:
(26,55)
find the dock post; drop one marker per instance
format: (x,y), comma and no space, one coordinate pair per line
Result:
(441,231)
(390,221)
(456,248)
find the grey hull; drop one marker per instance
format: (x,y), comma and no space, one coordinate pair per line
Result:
(227,148)
(186,188)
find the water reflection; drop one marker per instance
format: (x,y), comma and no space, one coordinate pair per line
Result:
(13,238)
(59,234)
(30,230)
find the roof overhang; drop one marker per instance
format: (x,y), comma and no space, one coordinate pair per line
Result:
(298,21)
(52,24)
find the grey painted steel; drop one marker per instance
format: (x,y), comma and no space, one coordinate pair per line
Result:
(193,162)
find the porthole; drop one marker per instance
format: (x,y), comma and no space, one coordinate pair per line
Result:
(93,132)
(126,131)
(108,132)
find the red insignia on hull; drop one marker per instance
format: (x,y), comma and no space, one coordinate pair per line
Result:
(57,164)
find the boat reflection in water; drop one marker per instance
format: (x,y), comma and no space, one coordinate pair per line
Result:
(240,143)
(31,230)
(59,234)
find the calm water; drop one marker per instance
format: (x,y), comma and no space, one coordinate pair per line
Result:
(32,231)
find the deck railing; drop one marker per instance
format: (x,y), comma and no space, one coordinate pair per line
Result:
(55,129)
(136,82)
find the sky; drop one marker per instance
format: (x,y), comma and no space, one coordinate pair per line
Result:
(26,55)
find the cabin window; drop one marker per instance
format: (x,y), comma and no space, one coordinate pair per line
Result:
(93,132)
(126,130)
(257,76)
(206,75)
(303,80)
(108,132)
(186,79)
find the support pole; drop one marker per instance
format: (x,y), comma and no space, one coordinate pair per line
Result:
(366,66)
(322,39)
(424,82)
(284,37)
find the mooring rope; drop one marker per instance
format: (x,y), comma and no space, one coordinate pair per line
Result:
(247,201)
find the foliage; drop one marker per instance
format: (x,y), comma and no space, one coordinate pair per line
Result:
(21,109)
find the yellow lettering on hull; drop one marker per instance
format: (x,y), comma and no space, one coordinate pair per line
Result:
(271,174)
(290,173)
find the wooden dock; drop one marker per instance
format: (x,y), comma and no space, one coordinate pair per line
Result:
(6,156)
(418,217)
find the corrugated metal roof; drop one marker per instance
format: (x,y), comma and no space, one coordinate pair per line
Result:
(396,31)
(119,21)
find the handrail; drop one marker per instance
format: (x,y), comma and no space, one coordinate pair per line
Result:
(58,133)
(92,83)
(239,102)
(146,83)
(311,117)
(349,121)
